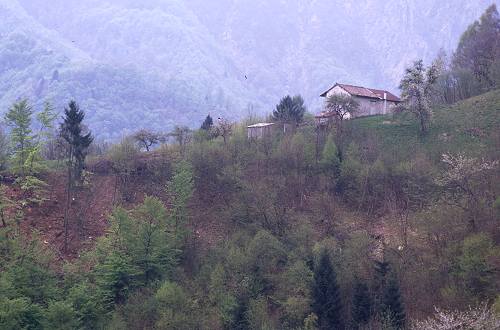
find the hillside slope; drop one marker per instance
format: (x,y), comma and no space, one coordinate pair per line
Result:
(470,126)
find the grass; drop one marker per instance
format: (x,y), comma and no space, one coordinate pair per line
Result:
(471,126)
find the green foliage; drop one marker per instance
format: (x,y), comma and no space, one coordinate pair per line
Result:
(124,157)
(311,322)
(72,131)
(290,110)
(219,296)
(474,267)
(266,255)
(392,308)
(60,315)
(4,149)
(478,50)
(301,152)
(496,306)
(19,313)
(330,161)
(19,118)
(182,136)
(146,239)
(256,210)
(417,87)
(116,277)
(174,308)
(26,269)
(207,123)
(496,206)
(147,139)
(258,315)
(144,248)
(27,283)
(296,285)
(362,306)
(326,297)
(343,106)
(180,189)
(5,204)
(46,118)
(86,304)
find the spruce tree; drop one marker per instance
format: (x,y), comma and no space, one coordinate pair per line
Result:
(392,306)
(208,123)
(290,110)
(361,309)
(71,131)
(78,143)
(326,304)
(382,269)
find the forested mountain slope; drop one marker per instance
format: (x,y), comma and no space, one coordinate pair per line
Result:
(159,63)
(229,233)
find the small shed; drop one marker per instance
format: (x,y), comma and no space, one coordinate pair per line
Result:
(260,130)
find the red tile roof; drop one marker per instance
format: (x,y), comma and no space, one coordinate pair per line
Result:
(365,92)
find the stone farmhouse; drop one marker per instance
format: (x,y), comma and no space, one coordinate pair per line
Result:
(371,101)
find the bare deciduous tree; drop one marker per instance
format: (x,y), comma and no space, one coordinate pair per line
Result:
(182,136)
(146,139)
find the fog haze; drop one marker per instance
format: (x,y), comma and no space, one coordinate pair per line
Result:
(160,63)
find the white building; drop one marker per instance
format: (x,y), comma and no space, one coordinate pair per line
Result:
(371,101)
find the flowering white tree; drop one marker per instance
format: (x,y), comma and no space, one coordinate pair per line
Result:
(417,89)
(224,129)
(478,318)
(461,181)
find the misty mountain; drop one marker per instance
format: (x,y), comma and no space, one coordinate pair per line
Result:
(157,63)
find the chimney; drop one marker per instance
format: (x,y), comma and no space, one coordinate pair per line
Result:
(385,103)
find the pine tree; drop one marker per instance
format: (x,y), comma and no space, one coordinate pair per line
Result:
(361,310)
(71,131)
(290,110)
(326,295)
(208,123)
(381,270)
(392,306)
(78,143)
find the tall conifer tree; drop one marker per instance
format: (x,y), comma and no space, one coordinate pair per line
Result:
(326,304)
(208,123)
(78,142)
(71,131)
(392,306)
(362,306)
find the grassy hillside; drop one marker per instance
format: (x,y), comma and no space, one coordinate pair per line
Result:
(470,126)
